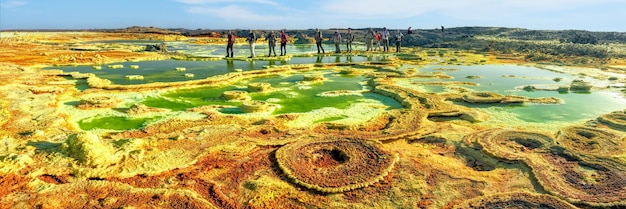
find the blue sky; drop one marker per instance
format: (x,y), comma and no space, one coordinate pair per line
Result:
(593,15)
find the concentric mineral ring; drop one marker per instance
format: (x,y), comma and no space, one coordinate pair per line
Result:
(511,144)
(594,141)
(335,165)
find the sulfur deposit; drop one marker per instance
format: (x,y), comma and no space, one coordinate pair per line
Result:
(417,129)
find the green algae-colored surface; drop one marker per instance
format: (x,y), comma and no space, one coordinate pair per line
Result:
(113,123)
(289,94)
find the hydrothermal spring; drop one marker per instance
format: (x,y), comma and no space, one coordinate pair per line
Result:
(294,98)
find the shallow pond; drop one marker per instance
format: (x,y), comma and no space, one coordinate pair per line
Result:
(289,94)
(507,80)
(166,70)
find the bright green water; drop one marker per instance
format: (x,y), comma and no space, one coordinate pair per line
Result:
(113,123)
(578,106)
(290,97)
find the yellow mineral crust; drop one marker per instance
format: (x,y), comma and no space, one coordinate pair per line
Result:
(88,149)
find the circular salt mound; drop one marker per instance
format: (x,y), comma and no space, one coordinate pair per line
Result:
(335,165)
(313,77)
(98,100)
(483,97)
(235,95)
(255,106)
(259,86)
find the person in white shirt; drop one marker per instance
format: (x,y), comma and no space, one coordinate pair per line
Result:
(384,36)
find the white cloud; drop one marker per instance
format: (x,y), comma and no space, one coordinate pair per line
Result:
(267,2)
(475,9)
(232,12)
(12,4)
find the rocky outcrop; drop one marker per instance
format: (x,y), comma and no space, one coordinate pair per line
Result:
(156,47)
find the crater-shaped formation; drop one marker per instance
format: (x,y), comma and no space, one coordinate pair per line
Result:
(508,143)
(515,200)
(586,179)
(335,165)
(592,141)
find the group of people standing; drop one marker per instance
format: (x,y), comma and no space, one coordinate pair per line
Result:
(382,38)
(371,37)
(252,38)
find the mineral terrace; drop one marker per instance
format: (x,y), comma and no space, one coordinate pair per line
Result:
(435,151)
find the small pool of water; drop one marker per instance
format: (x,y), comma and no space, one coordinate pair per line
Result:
(113,123)
(577,106)
(495,78)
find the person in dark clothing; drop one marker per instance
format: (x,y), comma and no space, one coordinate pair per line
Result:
(229,46)
(349,40)
(369,39)
(283,43)
(399,37)
(271,40)
(409,31)
(318,40)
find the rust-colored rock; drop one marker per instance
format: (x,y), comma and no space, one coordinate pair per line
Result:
(516,200)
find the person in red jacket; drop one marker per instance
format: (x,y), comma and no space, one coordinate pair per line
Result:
(378,37)
(283,43)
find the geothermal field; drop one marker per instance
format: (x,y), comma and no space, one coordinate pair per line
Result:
(103,120)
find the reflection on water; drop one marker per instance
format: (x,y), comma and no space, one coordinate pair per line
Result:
(243,50)
(165,70)
(502,79)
